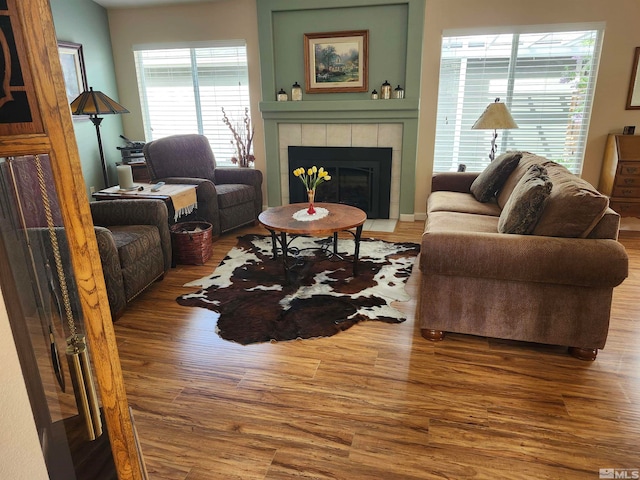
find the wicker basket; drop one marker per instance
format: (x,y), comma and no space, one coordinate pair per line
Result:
(191,242)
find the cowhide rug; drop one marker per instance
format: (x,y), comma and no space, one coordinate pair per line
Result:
(255,304)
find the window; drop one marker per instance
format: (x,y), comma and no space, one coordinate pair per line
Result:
(183,90)
(545,79)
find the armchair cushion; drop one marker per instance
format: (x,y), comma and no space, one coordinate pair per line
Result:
(140,254)
(230,194)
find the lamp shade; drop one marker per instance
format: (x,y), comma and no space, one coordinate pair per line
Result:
(495,117)
(91,102)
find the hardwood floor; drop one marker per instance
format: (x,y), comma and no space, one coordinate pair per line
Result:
(377,401)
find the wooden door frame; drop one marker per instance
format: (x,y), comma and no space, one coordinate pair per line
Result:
(57,138)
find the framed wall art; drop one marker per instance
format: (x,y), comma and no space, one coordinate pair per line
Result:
(336,61)
(633,97)
(73,70)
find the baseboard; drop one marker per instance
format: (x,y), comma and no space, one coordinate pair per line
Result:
(407,217)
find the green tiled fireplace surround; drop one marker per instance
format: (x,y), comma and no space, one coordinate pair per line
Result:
(395,39)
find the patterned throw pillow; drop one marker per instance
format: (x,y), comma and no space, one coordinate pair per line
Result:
(492,178)
(525,205)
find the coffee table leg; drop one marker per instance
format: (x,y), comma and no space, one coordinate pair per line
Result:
(335,243)
(356,253)
(283,242)
(274,244)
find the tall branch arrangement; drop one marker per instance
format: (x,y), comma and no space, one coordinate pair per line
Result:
(242,138)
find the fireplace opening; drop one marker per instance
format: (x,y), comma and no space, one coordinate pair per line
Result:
(360,176)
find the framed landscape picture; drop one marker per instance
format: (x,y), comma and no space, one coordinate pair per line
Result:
(336,61)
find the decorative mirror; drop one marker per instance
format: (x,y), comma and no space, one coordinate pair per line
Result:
(633,97)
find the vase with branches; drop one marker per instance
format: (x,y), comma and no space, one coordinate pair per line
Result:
(242,138)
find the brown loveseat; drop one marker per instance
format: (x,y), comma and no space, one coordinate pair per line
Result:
(551,284)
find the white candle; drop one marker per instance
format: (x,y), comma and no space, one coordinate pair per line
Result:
(125,177)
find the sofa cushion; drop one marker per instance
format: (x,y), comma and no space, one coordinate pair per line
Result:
(492,178)
(525,205)
(607,227)
(439,223)
(573,208)
(460,202)
(525,162)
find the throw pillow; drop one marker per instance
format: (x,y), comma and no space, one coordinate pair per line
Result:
(491,179)
(525,205)
(574,207)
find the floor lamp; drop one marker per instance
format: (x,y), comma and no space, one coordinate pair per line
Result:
(94,103)
(495,116)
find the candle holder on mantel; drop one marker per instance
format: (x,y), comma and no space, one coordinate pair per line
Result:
(296,92)
(385,90)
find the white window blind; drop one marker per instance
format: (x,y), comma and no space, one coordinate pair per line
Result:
(546,80)
(183,90)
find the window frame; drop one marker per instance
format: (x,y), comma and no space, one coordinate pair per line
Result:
(447,149)
(205,108)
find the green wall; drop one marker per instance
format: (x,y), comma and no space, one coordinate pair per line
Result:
(387,26)
(395,51)
(85,22)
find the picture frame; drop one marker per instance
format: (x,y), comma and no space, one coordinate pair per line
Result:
(336,62)
(73,71)
(633,97)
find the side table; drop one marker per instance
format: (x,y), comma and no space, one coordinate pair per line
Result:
(184,196)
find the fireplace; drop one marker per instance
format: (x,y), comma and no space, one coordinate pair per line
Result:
(360,176)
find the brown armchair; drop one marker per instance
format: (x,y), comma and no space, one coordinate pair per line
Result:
(133,236)
(134,244)
(227,197)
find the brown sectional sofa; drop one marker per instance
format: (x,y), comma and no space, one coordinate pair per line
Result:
(546,287)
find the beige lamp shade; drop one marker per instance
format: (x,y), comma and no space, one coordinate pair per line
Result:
(495,117)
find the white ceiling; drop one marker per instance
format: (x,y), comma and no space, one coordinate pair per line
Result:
(144,3)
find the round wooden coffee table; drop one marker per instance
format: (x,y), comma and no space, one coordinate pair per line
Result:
(280,221)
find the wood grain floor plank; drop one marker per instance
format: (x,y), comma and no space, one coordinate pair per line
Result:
(376,401)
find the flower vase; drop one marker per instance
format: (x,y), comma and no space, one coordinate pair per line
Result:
(311,194)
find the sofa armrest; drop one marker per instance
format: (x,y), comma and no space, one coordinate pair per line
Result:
(525,258)
(453,181)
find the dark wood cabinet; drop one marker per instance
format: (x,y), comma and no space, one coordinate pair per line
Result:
(620,176)
(140,172)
